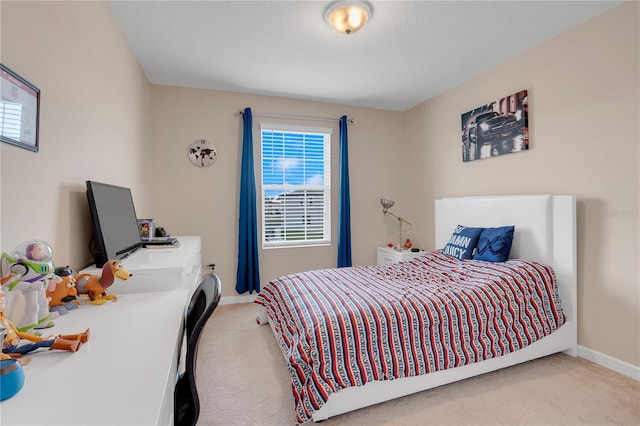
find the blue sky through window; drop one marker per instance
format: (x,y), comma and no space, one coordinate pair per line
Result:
(291,159)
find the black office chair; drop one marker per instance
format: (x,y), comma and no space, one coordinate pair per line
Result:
(203,302)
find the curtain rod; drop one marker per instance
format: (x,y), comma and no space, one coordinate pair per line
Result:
(296,117)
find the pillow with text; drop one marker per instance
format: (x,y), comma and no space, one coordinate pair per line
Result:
(462,242)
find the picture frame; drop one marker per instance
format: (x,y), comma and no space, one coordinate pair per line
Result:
(496,128)
(146,228)
(19,110)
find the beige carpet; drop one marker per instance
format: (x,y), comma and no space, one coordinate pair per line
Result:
(242,380)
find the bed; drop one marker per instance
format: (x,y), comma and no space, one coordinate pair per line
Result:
(544,245)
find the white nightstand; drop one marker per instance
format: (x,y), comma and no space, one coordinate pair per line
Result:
(389,255)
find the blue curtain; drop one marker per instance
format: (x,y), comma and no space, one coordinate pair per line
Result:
(344,209)
(248,275)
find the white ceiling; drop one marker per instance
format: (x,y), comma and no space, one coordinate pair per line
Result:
(407,53)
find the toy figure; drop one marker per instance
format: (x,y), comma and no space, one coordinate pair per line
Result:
(31,262)
(65,295)
(3,330)
(96,287)
(10,276)
(11,342)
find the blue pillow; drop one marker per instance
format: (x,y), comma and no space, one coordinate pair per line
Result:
(494,244)
(462,242)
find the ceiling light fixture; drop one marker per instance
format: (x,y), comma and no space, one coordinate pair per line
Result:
(348,17)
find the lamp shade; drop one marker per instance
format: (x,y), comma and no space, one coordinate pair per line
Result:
(386,204)
(348,17)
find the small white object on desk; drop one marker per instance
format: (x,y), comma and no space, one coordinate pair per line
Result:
(391,255)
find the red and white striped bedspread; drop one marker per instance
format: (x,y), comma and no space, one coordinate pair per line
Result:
(348,326)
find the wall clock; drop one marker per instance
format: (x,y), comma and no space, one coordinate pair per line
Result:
(202,153)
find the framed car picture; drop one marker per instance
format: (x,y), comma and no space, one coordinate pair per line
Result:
(499,127)
(19,110)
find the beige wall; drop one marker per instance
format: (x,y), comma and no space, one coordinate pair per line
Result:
(102,121)
(190,200)
(94,125)
(584,119)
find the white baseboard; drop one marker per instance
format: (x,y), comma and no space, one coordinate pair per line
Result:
(611,363)
(229,300)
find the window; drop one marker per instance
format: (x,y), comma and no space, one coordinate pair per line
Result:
(296,185)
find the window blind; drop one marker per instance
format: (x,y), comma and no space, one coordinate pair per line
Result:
(296,186)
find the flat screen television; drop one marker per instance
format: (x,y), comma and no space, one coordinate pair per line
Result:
(116,224)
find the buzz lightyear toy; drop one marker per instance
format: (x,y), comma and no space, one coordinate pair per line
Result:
(31,262)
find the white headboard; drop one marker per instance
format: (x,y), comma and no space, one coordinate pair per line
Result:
(545,231)
(531,215)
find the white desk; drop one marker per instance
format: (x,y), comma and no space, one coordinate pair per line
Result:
(124,374)
(160,269)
